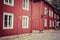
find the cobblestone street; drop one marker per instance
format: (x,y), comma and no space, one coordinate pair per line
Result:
(45,35)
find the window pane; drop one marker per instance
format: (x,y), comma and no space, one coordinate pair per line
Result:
(24,3)
(49,12)
(6,17)
(50,23)
(6,20)
(52,14)
(26,22)
(49,0)
(57,16)
(10,1)
(10,21)
(6,1)
(45,22)
(57,23)
(53,23)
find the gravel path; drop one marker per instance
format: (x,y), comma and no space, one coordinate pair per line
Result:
(45,35)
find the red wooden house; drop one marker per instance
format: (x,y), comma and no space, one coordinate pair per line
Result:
(23,16)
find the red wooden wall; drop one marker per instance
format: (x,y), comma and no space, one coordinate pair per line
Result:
(35,12)
(18,13)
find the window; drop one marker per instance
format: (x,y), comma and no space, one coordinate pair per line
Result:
(8,21)
(53,23)
(54,15)
(9,2)
(45,10)
(45,22)
(25,22)
(50,23)
(57,16)
(57,23)
(49,12)
(25,4)
(49,0)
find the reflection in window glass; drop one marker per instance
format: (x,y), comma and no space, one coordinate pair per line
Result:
(6,1)
(6,20)
(10,20)
(10,1)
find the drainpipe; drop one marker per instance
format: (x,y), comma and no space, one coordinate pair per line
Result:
(39,16)
(31,15)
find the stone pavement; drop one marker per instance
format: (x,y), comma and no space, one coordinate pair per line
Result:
(45,35)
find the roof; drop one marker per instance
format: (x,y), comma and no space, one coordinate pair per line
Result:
(45,2)
(55,10)
(48,3)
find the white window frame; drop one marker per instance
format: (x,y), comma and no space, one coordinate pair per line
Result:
(45,22)
(10,4)
(8,27)
(26,5)
(27,22)
(45,10)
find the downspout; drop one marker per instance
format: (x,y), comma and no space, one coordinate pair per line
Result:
(48,18)
(31,15)
(39,16)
